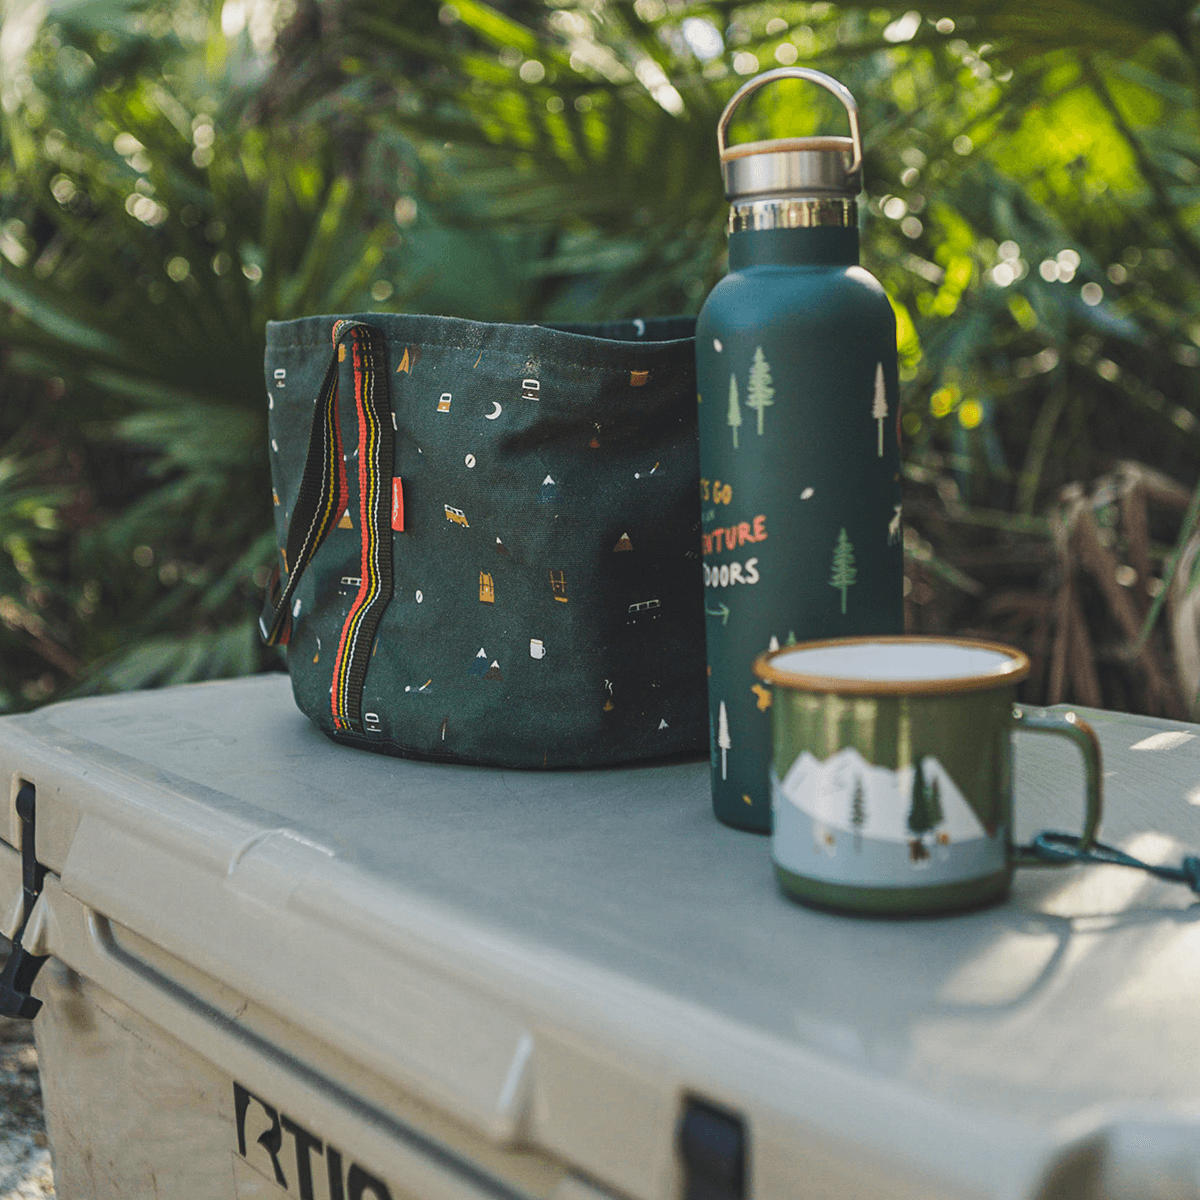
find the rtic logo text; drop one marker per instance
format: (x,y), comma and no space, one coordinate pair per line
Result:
(299,1162)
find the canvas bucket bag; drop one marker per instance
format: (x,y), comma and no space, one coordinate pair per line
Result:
(489,537)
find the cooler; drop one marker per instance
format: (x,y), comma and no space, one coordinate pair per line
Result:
(282,968)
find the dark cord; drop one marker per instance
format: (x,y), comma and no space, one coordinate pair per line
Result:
(1061,848)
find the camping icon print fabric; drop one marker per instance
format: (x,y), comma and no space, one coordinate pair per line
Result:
(531,495)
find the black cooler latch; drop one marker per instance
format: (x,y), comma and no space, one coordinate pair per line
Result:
(712,1145)
(22,968)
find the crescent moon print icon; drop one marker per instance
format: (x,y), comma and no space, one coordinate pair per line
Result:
(493,415)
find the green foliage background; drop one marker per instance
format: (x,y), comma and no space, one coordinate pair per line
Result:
(175,175)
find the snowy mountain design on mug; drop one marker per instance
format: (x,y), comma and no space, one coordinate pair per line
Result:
(918,807)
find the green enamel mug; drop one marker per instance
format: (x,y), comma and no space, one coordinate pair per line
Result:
(891,775)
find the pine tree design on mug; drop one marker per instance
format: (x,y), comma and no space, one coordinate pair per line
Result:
(920,816)
(858,812)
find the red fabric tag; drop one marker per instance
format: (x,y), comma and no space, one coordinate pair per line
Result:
(397,505)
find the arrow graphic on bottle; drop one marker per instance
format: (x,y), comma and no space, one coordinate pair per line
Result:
(722,612)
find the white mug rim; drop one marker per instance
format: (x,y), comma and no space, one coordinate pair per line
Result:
(1018,668)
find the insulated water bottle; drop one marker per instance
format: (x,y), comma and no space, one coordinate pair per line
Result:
(799,448)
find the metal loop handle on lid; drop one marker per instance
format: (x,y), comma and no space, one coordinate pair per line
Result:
(818,77)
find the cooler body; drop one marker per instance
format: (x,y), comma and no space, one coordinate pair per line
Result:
(137,1112)
(276,967)
(130,1110)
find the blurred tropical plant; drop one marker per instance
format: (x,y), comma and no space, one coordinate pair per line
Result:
(148,230)
(176,176)
(1034,176)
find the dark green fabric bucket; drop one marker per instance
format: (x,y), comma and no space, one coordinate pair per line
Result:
(489,537)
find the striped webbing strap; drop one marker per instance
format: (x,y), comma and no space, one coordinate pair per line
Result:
(323,497)
(375,459)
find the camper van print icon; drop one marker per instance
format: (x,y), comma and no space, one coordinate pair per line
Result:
(456,515)
(348,585)
(644,610)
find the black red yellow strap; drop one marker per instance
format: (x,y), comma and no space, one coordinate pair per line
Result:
(323,497)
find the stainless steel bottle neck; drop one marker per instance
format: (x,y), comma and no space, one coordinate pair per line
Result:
(793,213)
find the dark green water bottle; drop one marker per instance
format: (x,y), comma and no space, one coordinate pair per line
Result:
(799,453)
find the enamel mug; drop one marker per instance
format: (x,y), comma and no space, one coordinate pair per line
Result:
(891,775)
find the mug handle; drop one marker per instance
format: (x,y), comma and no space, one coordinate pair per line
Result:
(1073,726)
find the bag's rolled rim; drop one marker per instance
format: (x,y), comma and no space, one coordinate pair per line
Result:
(607,345)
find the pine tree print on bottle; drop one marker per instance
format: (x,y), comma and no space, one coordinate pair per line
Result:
(735,409)
(723,739)
(844,571)
(760,391)
(879,408)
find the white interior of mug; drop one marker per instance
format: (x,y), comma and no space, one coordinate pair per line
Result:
(898,661)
